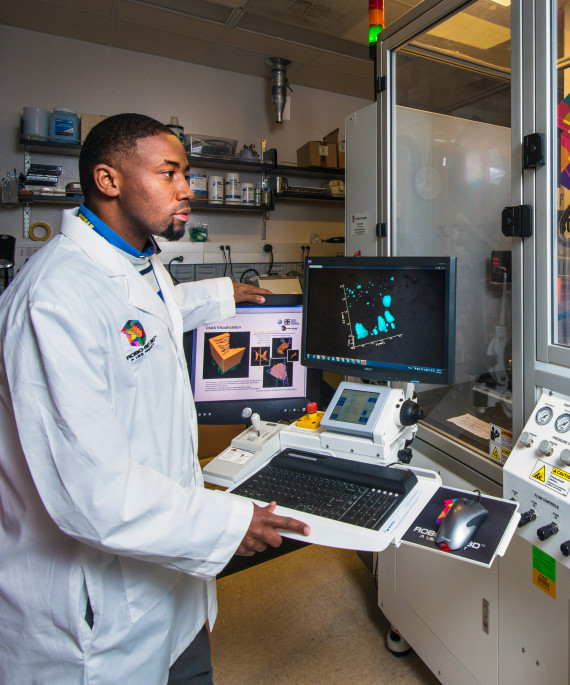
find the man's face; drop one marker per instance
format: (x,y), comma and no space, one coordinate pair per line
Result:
(154,195)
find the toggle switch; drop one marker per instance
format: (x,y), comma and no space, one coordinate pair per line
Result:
(256,423)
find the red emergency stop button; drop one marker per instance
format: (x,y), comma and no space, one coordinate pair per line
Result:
(311,407)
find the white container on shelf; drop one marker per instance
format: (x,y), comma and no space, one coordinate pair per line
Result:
(248,193)
(199,185)
(216,190)
(233,189)
(36,123)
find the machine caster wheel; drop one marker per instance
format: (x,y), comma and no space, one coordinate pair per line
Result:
(396,644)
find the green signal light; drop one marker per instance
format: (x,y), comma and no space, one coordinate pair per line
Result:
(373,32)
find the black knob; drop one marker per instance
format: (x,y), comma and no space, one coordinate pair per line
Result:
(565,548)
(405,455)
(547,531)
(527,517)
(410,413)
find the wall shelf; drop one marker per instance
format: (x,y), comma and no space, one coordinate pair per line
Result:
(309,172)
(300,197)
(50,146)
(229,164)
(228,207)
(24,198)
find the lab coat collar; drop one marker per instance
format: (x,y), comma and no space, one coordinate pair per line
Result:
(110,260)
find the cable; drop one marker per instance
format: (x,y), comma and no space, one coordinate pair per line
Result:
(180,258)
(269,249)
(223,249)
(255,271)
(229,251)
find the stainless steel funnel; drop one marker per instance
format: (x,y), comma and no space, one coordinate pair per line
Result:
(279,85)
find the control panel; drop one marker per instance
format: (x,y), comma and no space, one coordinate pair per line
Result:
(537,475)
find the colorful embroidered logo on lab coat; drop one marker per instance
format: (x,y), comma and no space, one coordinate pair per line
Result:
(135,333)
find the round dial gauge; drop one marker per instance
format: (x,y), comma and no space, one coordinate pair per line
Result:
(427,182)
(562,423)
(543,415)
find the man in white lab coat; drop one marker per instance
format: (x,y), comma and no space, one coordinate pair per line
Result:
(109,544)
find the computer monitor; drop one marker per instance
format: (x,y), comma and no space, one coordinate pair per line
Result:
(381,318)
(252,360)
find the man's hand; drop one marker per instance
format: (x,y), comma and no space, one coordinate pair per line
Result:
(261,531)
(245,292)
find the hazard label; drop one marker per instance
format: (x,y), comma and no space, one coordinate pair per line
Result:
(561,473)
(500,443)
(551,477)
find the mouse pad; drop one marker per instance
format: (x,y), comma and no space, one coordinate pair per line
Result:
(483,546)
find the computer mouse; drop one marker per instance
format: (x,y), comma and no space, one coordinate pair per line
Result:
(460,524)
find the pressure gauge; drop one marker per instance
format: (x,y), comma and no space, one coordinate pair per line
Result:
(543,416)
(562,423)
(427,182)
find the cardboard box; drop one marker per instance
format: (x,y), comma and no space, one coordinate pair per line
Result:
(88,121)
(340,153)
(332,137)
(317,153)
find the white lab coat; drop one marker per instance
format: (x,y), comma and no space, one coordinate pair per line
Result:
(101,495)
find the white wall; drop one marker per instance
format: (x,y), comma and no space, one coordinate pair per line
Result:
(47,71)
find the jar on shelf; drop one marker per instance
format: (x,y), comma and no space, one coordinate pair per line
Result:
(233,189)
(64,125)
(199,185)
(216,190)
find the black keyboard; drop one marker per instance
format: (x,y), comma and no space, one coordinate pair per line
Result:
(349,491)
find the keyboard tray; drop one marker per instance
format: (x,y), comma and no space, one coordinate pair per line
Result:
(352,492)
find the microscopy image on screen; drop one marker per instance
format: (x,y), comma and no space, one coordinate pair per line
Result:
(226,355)
(279,374)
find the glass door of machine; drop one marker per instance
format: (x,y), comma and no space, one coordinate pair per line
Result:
(446,128)
(553,196)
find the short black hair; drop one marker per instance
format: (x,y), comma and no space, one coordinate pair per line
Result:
(111,141)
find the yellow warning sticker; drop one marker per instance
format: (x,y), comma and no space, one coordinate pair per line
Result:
(495,454)
(544,583)
(561,473)
(551,477)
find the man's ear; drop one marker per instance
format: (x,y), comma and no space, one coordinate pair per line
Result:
(106,180)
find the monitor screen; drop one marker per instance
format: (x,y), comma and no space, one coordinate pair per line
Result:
(381,318)
(252,360)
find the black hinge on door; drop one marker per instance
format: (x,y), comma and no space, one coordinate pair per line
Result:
(380,84)
(533,150)
(517,221)
(381,230)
